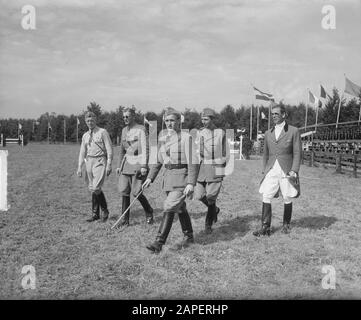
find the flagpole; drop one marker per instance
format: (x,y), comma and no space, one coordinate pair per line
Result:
(64,132)
(269,114)
(250,124)
(257,123)
(316,117)
(48,132)
(338,112)
(306,117)
(77,130)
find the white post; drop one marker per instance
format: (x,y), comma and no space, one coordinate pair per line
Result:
(3,180)
(241,157)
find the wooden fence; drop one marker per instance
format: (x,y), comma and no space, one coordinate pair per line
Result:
(341,161)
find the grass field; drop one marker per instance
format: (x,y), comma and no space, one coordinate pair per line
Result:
(45,227)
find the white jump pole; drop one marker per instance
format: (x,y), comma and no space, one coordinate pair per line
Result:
(3,180)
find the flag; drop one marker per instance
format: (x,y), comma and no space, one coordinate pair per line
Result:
(323,92)
(49,126)
(260,95)
(20,126)
(352,88)
(314,100)
(182,118)
(263,116)
(78,122)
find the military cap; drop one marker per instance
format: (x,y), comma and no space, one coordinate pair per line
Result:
(90,114)
(170,111)
(208,112)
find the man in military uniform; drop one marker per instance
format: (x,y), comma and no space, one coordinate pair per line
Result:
(133,165)
(212,149)
(281,163)
(96,149)
(178,155)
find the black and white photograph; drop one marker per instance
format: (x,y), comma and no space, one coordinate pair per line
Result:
(204,151)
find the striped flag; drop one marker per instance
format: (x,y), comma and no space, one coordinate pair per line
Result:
(263,116)
(260,95)
(314,100)
(352,88)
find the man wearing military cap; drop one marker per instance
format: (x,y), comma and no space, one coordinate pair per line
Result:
(281,163)
(96,149)
(212,149)
(133,165)
(178,155)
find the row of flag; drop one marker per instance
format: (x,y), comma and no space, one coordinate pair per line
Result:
(350,88)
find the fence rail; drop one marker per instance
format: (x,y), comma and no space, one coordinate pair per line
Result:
(341,161)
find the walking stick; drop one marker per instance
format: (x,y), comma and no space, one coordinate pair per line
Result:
(116,222)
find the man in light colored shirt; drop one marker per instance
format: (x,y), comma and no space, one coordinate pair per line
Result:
(97,152)
(281,163)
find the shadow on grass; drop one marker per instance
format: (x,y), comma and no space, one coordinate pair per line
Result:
(227,231)
(315,222)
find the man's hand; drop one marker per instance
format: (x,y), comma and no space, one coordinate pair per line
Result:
(109,170)
(292,174)
(118,171)
(79,172)
(146,183)
(188,190)
(143,171)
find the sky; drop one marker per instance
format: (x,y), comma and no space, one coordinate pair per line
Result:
(179,53)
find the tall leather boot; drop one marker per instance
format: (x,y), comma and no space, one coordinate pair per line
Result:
(125,205)
(163,232)
(287,214)
(211,213)
(103,206)
(147,208)
(205,201)
(186,225)
(266,221)
(95,208)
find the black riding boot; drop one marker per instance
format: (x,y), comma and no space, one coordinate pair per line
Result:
(103,206)
(95,208)
(287,214)
(147,208)
(163,232)
(210,218)
(266,221)
(205,201)
(125,205)
(186,225)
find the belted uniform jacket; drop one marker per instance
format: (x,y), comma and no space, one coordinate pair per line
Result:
(134,149)
(176,151)
(212,150)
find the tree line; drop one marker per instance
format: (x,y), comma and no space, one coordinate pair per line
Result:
(51,125)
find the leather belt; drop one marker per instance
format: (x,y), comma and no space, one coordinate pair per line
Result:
(171,166)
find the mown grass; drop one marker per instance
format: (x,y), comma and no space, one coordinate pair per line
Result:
(45,227)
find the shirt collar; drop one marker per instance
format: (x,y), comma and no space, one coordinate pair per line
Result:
(281,125)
